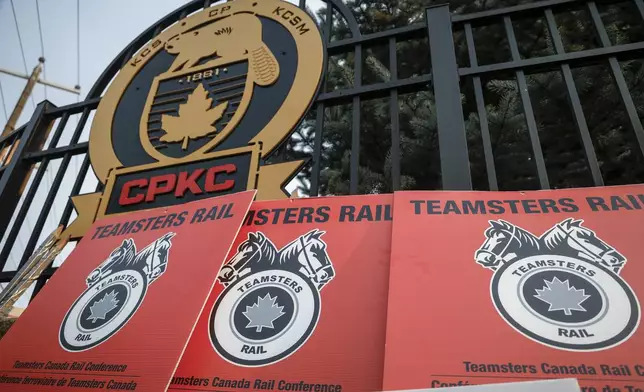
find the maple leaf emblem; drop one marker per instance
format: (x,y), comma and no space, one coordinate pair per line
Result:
(561,296)
(195,119)
(103,306)
(263,313)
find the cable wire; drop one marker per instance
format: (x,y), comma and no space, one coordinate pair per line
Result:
(22,49)
(4,104)
(49,176)
(78,62)
(42,46)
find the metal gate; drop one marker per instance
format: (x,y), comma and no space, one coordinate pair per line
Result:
(455,71)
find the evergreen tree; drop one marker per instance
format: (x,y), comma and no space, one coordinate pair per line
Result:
(617,149)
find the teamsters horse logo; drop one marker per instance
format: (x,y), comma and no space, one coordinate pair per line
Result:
(271,301)
(115,290)
(562,289)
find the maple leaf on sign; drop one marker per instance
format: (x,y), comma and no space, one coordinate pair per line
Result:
(195,118)
(263,313)
(103,306)
(561,296)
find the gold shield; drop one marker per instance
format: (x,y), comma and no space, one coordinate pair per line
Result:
(198,103)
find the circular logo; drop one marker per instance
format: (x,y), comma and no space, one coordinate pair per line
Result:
(224,78)
(566,303)
(102,310)
(264,317)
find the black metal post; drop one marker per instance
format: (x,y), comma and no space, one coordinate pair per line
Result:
(394,112)
(455,163)
(482,112)
(575,102)
(618,77)
(354,170)
(317,150)
(530,120)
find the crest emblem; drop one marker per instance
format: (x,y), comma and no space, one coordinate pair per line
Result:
(115,290)
(562,289)
(271,302)
(197,103)
(198,111)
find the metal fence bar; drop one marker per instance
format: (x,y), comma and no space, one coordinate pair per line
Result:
(355,124)
(31,193)
(618,76)
(6,276)
(58,133)
(11,135)
(347,15)
(319,116)
(491,16)
(395,121)
(527,108)
(416,30)
(452,141)
(328,22)
(575,103)
(377,90)
(74,108)
(58,152)
(53,191)
(9,149)
(44,212)
(548,63)
(17,169)
(482,113)
(640,7)
(69,207)
(317,150)
(22,214)
(64,220)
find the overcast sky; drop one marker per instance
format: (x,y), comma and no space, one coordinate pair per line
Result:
(106,27)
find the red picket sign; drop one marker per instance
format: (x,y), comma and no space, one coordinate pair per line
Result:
(118,313)
(300,303)
(491,287)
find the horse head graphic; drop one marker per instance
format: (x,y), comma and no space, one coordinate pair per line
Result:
(152,260)
(570,235)
(253,251)
(505,242)
(305,255)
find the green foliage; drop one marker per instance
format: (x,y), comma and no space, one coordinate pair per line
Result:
(614,142)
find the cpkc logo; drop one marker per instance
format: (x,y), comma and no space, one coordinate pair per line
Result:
(197,111)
